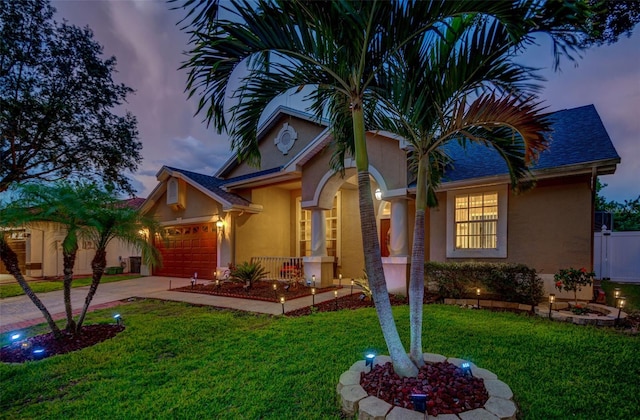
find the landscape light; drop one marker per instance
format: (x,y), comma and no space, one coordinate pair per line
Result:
(552,298)
(368,360)
(38,353)
(14,337)
(351,286)
(616,292)
(282,303)
(275,290)
(118,319)
(313,280)
(621,301)
(419,402)
(218,284)
(193,282)
(335,294)
(313,296)
(478,294)
(340,280)
(466,368)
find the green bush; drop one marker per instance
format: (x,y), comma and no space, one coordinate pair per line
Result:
(113,270)
(248,273)
(506,282)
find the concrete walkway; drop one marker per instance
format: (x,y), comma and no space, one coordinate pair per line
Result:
(19,312)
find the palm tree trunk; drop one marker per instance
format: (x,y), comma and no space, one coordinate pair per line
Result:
(69,260)
(402,365)
(10,260)
(98,265)
(416,278)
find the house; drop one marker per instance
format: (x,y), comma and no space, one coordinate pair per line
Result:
(39,250)
(295,211)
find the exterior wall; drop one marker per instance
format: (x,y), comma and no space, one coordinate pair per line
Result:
(197,205)
(271,156)
(352,261)
(267,233)
(548,228)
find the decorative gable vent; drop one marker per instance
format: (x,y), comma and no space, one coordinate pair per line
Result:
(176,194)
(285,138)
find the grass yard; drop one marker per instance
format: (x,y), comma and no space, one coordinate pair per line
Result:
(42,286)
(181,361)
(629,290)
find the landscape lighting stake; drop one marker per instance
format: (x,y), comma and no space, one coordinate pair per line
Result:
(616,293)
(38,353)
(313,280)
(351,286)
(193,282)
(368,360)
(282,303)
(419,402)
(118,319)
(218,285)
(313,296)
(335,293)
(14,337)
(340,280)
(466,368)
(478,294)
(621,301)
(552,298)
(275,290)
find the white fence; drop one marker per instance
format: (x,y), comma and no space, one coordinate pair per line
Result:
(281,268)
(616,256)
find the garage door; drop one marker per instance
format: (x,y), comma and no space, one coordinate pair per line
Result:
(19,246)
(187,250)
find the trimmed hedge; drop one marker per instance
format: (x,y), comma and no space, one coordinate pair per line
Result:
(498,281)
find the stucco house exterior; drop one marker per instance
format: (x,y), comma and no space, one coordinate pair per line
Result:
(294,210)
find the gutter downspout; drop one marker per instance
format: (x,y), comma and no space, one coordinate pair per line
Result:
(594,180)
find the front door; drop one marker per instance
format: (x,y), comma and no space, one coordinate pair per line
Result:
(385,236)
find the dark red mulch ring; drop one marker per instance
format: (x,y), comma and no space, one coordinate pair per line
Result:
(262,290)
(23,350)
(448,389)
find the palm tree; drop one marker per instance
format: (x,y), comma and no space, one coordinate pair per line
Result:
(343,48)
(429,107)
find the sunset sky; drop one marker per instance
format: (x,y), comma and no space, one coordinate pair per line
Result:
(150,47)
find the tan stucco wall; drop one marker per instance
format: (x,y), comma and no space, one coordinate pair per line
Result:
(271,156)
(197,205)
(548,228)
(386,156)
(352,261)
(267,233)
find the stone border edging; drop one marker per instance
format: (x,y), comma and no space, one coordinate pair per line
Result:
(355,400)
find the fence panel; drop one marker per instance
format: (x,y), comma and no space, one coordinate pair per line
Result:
(281,268)
(617,256)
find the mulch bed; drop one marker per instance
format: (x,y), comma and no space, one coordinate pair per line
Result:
(262,290)
(23,350)
(448,389)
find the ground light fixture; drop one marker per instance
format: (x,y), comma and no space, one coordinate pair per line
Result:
(621,301)
(282,303)
(313,296)
(118,319)
(335,294)
(616,293)
(38,353)
(313,280)
(466,368)
(14,337)
(275,290)
(369,358)
(552,298)
(351,286)
(419,402)
(193,282)
(340,280)
(218,284)
(478,295)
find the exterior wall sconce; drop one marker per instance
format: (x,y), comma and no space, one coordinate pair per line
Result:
(552,298)
(378,194)
(219,224)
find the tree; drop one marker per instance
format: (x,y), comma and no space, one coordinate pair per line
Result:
(611,19)
(85,211)
(57,100)
(344,49)
(429,107)
(626,216)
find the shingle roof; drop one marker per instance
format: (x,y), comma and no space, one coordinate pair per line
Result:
(578,137)
(214,185)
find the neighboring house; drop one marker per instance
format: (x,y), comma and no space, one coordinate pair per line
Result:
(39,249)
(295,208)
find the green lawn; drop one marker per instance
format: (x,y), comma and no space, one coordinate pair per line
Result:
(14,289)
(630,291)
(181,361)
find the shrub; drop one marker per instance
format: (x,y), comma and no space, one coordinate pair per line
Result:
(572,280)
(508,282)
(248,273)
(363,283)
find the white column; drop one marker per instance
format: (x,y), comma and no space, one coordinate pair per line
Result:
(318,233)
(399,241)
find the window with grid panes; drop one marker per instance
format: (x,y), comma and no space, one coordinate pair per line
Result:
(332,230)
(476,221)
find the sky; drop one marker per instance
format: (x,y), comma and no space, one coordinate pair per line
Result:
(149,47)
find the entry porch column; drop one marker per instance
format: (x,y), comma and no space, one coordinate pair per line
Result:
(396,265)
(319,264)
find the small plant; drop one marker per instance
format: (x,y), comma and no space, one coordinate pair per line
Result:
(363,283)
(248,273)
(572,280)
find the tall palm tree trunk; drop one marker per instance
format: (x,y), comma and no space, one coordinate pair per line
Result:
(372,257)
(416,278)
(10,260)
(98,265)
(69,260)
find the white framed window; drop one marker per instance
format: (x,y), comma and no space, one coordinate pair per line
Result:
(477,223)
(332,234)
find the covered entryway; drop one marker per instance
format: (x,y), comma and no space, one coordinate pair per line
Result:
(188,249)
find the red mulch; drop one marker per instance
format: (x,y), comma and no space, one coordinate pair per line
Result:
(23,350)
(262,290)
(448,389)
